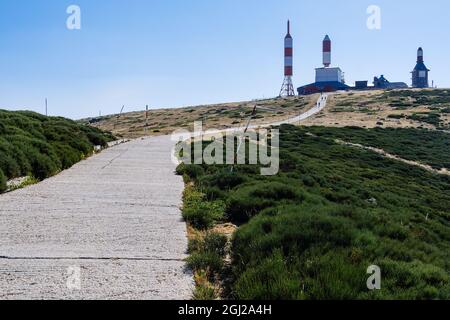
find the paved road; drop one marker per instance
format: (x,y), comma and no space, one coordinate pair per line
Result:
(113,218)
(320,105)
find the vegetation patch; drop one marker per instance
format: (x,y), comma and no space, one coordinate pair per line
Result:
(312,231)
(35,145)
(421,145)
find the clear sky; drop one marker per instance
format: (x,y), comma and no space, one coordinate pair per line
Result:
(169,53)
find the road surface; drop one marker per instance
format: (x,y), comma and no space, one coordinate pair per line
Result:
(108,228)
(320,105)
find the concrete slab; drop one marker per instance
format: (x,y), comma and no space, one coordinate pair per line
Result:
(115,216)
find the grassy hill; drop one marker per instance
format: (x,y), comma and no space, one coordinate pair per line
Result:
(218,116)
(367,109)
(40,146)
(412,108)
(312,231)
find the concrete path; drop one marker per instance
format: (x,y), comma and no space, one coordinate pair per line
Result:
(108,228)
(320,105)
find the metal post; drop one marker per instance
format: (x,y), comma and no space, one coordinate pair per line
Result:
(146,120)
(241,140)
(118,117)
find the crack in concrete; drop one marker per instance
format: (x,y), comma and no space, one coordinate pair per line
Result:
(114,159)
(92,258)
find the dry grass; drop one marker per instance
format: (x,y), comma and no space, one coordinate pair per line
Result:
(219,116)
(368,109)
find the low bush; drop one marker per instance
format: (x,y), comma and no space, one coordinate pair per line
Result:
(189,170)
(198,212)
(215,243)
(271,279)
(210,262)
(33,144)
(312,231)
(204,293)
(224,180)
(249,200)
(212,242)
(2,182)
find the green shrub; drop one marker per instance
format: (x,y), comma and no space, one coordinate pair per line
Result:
(334,276)
(295,229)
(190,170)
(198,212)
(248,201)
(271,279)
(215,243)
(204,215)
(42,167)
(204,293)
(9,166)
(224,180)
(2,182)
(31,143)
(205,261)
(311,231)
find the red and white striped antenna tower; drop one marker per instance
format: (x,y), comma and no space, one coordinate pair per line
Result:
(287,89)
(326,51)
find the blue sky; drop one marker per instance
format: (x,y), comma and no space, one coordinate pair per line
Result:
(169,53)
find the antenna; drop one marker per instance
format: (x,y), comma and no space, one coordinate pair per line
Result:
(287,89)
(46,107)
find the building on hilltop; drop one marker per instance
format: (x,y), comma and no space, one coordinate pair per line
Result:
(420,72)
(383,83)
(328,79)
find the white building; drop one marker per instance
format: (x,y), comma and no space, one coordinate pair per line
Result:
(329,75)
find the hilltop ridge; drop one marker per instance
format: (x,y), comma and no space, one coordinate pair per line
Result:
(411,108)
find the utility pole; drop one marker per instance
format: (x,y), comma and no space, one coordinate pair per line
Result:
(243,136)
(118,117)
(146,120)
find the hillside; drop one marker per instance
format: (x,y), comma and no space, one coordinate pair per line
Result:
(35,145)
(368,109)
(416,108)
(219,116)
(364,182)
(312,231)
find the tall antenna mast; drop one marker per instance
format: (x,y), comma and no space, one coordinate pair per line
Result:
(287,89)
